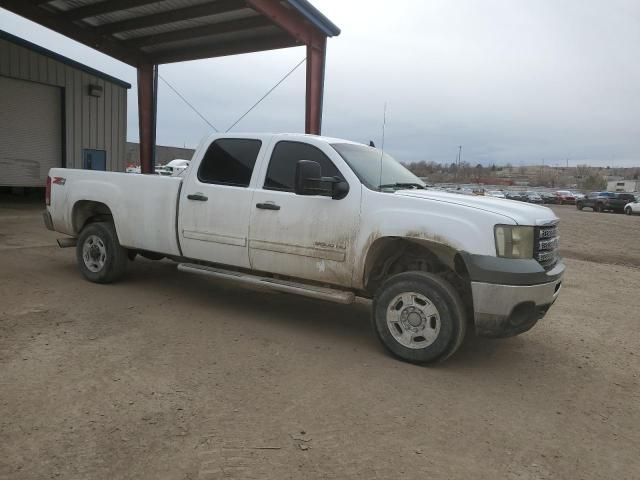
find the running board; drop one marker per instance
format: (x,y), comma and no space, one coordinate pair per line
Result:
(312,291)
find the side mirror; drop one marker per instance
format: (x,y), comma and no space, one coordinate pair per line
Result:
(340,190)
(309,181)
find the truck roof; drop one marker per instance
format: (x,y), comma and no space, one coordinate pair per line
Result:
(288,136)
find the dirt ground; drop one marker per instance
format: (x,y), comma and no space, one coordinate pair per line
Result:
(599,237)
(172,376)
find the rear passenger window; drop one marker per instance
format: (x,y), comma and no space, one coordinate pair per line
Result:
(282,167)
(229,161)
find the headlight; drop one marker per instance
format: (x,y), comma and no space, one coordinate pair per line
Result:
(513,241)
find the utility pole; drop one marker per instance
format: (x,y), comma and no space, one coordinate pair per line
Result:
(458,160)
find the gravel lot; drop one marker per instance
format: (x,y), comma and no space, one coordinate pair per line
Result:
(171,376)
(599,237)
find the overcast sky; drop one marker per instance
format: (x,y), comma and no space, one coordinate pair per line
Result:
(510,80)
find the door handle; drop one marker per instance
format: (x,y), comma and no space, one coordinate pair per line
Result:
(268,206)
(197,196)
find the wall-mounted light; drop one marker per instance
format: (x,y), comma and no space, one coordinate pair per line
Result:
(95,90)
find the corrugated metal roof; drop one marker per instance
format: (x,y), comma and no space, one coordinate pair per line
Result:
(263,32)
(155,31)
(141,11)
(315,16)
(184,24)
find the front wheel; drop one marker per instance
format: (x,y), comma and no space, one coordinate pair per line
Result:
(419,317)
(100,256)
(579,206)
(628,211)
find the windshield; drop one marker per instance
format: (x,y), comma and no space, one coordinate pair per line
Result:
(375,168)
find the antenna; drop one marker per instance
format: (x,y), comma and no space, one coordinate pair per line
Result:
(384,124)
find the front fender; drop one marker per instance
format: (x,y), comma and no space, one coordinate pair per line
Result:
(449,226)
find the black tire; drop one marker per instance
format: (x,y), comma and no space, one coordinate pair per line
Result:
(107,260)
(579,206)
(445,299)
(628,211)
(598,208)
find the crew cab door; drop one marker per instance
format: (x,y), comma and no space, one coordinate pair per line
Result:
(308,237)
(215,202)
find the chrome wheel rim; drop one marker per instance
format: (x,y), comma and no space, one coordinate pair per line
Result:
(94,253)
(413,320)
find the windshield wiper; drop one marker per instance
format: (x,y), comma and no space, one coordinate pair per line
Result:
(399,185)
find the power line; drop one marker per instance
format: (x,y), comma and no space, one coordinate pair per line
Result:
(266,94)
(187,102)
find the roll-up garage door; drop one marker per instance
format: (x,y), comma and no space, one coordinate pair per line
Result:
(30,132)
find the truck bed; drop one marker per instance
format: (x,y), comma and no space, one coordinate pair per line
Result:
(144,207)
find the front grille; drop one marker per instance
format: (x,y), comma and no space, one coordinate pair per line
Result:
(545,246)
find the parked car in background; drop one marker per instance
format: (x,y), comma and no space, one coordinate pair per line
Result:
(519,196)
(174,166)
(495,194)
(632,208)
(534,197)
(606,201)
(548,197)
(565,197)
(578,195)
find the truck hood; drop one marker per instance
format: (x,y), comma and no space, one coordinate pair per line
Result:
(521,213)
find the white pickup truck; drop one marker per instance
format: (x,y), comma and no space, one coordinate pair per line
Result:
(329,219)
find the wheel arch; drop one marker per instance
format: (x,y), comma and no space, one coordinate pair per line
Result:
(385,254)
(88,211)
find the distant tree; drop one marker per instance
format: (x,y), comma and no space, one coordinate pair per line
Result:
(583,171)
(478,173)
(522,170)
(593,181)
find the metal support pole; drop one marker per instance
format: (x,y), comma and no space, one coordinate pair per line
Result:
(147,101)
(316,55)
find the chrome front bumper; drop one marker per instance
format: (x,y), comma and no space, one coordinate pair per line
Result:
(506,310)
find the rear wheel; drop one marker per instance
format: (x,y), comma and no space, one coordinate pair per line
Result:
(579,206)
(419,317)
(598,208)
(100,256)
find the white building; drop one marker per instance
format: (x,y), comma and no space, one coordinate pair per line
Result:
(623,186)
(55,112)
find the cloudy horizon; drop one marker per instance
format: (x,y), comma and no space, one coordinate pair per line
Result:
(511,81)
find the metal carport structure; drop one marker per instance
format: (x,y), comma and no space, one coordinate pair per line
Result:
(147,33)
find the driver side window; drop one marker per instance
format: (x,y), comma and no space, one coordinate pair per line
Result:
(282,166)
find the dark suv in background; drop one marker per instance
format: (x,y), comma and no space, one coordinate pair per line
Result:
(603,201)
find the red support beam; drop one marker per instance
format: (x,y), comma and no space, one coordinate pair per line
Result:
(147,85)
(315,85)
(304,32)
